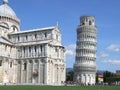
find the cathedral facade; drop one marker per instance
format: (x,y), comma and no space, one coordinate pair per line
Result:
(32,56)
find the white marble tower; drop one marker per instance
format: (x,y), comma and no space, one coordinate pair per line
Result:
(85,63)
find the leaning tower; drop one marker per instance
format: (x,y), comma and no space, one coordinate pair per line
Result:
(85,62)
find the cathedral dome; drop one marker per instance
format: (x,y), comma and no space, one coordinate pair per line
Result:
(6,10)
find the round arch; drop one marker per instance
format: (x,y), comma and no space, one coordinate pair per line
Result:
(4,24)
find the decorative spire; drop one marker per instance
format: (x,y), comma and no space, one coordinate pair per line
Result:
(5,1)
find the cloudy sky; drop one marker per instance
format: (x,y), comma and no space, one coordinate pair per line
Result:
(44,13)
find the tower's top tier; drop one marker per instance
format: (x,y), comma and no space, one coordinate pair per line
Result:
(87,20)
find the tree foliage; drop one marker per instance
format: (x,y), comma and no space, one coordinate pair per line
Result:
(70,75)
(110,77)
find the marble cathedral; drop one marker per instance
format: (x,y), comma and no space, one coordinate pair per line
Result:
(32,56)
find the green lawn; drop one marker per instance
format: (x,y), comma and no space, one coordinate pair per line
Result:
(59,87)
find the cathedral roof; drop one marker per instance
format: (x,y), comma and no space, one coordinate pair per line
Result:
(6,10)
(35,30)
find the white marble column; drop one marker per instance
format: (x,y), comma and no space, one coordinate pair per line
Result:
(46,50)
(38,50)
(53,72)
(45,72)
(21,71)
(39,71)
(26,52)
(27,63)
(58,74)
(32,51)
(22,51)
(42,50)
(32,71)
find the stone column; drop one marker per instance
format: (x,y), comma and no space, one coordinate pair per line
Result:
(32,51)
(43,50)
(53,72)
(39,71)
(45,72)
(46,50)
(23,54)
(27,63)
(15,71)
(58,74)
(21,71)
(32,70)
(27,51)
(38,50)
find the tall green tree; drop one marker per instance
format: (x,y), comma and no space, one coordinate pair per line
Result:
(96,77)
(109,77)
(70,75)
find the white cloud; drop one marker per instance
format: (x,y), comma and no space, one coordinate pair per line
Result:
(70,50)
(112,62)
(72,46)
(114,47)
(104,55)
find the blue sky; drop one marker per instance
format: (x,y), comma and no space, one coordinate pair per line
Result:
(44,13)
